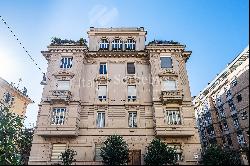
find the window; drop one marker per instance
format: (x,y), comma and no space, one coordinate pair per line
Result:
(229,140)
(132,121)
(166,62)
(234,82)
(66,62)
(103,68)
(130,44)
(131,93)
(244,115)
(63,85)
(177,149)
(104,44)
(240,137)
(236,122)
(239,98)
(228,93)
(225,126)
(117,44)
(169,85)
(58,116)
(173,117)
(57,149)
(100,121)
(98,153)
(102,92)
(131,68)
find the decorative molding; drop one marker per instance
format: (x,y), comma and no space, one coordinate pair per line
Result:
(117,54)
(131,79)
(168,72)
(102,79)
(64,75)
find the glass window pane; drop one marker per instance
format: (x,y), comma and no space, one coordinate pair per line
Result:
(130,68)
(166,62)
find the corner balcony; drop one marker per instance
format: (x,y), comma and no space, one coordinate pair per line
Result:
(60,96)
(172,96)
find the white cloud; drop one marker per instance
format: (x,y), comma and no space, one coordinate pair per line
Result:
(102,16)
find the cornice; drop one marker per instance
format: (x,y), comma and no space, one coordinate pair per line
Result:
(117,54)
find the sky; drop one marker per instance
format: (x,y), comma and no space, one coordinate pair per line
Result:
(215,31)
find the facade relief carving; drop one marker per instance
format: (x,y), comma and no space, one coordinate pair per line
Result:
(63,75)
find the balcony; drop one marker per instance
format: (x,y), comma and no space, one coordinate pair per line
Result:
(60,95)
(54,130)
(173,96)
(174,131)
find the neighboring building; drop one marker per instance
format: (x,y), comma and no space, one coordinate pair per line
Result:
(222,108)
(11,97)
(116,86)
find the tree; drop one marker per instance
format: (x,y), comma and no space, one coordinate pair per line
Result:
(115,151)
(15,140)
(25,145)
(158,153)
(216,155)
(68,156)
(10,137)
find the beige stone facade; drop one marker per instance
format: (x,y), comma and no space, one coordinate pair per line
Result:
(222,108)
(11,97)
(116,85)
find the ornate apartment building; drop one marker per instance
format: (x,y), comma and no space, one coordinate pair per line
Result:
(222,108)
(115,85)
(13,98)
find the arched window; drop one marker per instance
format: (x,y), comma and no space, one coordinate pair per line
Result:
(117,44)
(104,44)
(130,44)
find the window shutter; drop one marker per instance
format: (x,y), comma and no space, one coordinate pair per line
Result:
(169,85)
(131,90)
(57,149)
(102,90)
(63,85)
(131,68)
(98,153)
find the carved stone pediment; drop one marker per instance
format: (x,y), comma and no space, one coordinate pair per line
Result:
(131,79)
(168,72)
(102,79)
(64,75)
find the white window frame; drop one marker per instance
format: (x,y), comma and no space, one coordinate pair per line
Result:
(178,150)
(240,138)
(58,116)
(104,45)
(132,97)
(130,44)
(105,65)
(132,119)
(173,117)
(117,44)
(66,62)
(102,98)
(100,123)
